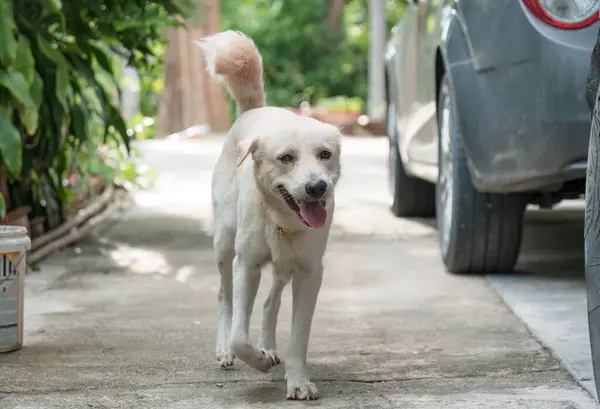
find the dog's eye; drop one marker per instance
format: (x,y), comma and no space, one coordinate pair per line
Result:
(287,158)
(324,155)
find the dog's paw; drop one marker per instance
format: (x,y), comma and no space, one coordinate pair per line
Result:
(271,355)
(253,356)
(225,358)
(302,391)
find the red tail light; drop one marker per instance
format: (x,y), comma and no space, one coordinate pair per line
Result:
(567,14)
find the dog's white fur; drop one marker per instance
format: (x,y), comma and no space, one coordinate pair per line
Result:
(254,225)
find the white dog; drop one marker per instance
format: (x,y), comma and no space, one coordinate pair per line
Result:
(272,194)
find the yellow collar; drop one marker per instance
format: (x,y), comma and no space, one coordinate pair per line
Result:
(286,230)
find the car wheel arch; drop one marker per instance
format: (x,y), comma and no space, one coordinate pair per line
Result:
(388,92)
(441,70)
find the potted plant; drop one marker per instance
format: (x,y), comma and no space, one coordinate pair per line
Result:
(340,110)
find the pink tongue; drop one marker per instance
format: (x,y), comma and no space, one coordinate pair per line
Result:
(314,214)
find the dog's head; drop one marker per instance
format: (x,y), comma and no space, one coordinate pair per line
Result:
(297,165)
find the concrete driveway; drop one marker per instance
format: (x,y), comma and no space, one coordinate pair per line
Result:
(127,320)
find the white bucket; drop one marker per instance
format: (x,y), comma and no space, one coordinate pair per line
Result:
(14,244)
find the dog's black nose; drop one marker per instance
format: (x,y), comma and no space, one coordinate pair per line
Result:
(316,189)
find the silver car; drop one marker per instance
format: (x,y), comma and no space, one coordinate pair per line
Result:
(487,113)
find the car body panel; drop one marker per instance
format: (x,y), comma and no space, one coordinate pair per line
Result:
(520,92)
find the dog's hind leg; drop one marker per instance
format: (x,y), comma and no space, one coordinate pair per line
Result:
(246,276)
(224,253)
(268,344)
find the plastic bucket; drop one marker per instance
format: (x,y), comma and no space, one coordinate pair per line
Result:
(14,244)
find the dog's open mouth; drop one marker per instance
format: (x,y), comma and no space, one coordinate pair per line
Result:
(312,214)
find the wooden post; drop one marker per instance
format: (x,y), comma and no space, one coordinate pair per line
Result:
(169,110)
(189,97)
(217,109)
(334,13)
(197,104)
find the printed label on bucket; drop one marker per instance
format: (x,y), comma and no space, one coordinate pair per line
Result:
(9,337)
(9,268)
(9,323)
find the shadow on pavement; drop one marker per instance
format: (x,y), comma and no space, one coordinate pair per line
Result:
(552,244)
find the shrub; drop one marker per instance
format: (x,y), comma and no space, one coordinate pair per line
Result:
(59,65)
(304,59)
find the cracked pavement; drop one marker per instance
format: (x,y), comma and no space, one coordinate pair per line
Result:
(127,319)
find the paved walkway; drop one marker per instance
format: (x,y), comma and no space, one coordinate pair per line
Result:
(128,319)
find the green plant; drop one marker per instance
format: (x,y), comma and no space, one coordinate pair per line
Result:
(143,127)
(341,103)
(151,84)
(115,164)
(2,206)
(304,58)
(59,65)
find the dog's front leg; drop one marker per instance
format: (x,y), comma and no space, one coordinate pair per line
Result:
(246,278)
(268,331)
(305,289)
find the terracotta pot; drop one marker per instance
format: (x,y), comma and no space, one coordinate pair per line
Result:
(337,117)
(17,217)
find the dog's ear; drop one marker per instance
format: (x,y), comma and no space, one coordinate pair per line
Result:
(245,148)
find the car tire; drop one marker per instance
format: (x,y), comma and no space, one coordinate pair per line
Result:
(592,241)
(478,232)
(411,197)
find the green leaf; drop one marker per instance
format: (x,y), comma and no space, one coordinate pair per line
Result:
(103,57)
(10,143)
(8,44)
(5,99)
(62,83)
(55,137)
(37,90)
(121,127)
(115,119)
(55,5)
(62,161)
(78,122)
(52,10)
(62,69)
(107,84)
(24,62)
(17,85)
(2,206)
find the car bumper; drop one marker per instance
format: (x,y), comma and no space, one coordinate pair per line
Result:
(526,125)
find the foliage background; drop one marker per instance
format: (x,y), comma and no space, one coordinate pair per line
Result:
(304,59)
(59,99)
(60,120)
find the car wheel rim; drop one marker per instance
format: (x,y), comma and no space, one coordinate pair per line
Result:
(445,168)
(392,150)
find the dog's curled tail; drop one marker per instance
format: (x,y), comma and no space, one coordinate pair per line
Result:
(233,58)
